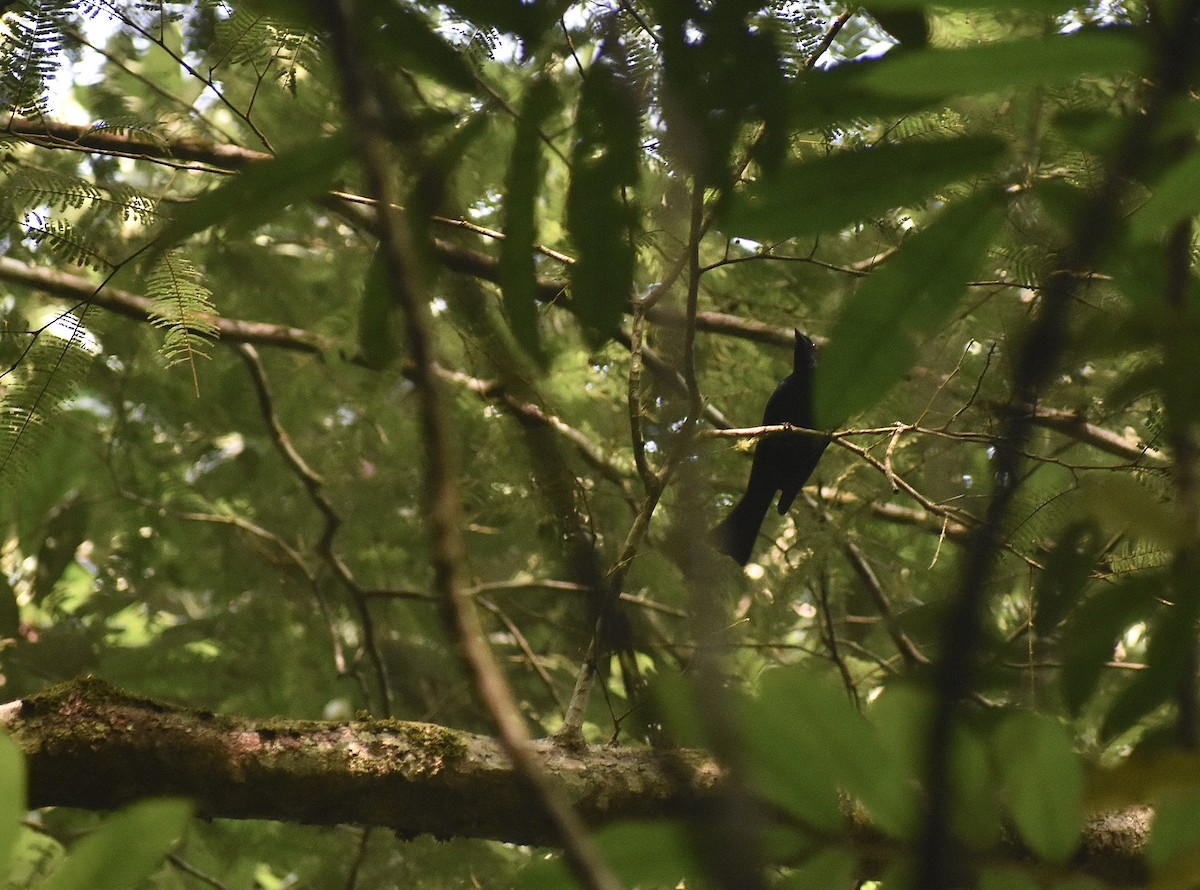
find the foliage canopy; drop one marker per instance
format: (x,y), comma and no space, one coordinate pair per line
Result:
(355,355)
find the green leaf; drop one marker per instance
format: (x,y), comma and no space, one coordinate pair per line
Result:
(378,343)
(875,338)
(12,799)
(605,160)
(1093,629)
(901,716)
(994,67)
(974,813)
(1067,571)
(518,272)
(833,869)
(642,853)
(824,98)
(1174,197)
(125,849)
(647,853)
(781,758)
(1007,877)
(1175,833)
(261,191)
(810,743)
(1044,781)
(831,193)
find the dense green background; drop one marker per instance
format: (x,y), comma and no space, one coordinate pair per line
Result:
(923,216)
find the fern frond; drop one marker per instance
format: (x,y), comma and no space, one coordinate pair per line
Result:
(27,188)
(132,127)
(63,241)
(28,193)
(1021,264)
(1138,556)
(133,203)
(937,124)
(34,390)
(246,38)
(30,44)
(183,307)
(482,46)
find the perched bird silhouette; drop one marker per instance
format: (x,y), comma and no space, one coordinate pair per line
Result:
(782,463)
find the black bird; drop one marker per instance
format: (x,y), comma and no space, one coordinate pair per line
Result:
(782,463)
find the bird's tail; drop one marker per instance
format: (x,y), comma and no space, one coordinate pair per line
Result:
(736,534)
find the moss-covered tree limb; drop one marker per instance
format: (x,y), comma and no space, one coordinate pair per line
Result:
(91,746)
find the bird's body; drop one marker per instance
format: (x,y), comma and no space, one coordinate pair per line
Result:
(782,463)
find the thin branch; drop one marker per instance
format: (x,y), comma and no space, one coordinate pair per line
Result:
(314,486)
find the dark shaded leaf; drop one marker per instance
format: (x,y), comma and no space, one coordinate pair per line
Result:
(831,193)
(1067,570)
(261,191)
(406,38)
(527,20)
(10,612)
(874,339)
(1170,638)
(994,67)
(378,342)
(65,529)
(518,272)
(1093,629)
(604,161)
